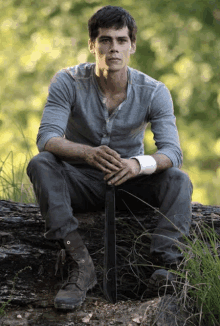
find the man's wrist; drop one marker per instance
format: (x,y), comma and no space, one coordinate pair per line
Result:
(148,164)
(138,163)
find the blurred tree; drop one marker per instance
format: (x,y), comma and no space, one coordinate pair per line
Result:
(178,43)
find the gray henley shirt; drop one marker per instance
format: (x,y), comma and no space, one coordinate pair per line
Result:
(75,109)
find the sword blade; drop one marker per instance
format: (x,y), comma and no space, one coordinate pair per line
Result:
(110,272)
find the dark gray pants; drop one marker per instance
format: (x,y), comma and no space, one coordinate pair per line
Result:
(63,189)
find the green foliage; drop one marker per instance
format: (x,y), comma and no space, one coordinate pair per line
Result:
(178,43)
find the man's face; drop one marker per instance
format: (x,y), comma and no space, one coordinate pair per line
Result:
(112,48)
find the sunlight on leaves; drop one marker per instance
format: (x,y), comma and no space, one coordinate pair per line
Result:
(184,67)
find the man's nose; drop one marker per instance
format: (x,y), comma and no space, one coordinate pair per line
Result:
(114,47)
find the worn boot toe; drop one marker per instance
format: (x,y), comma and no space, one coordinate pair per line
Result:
(71,296)
(161,282)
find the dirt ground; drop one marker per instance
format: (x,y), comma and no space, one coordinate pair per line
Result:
(94,311)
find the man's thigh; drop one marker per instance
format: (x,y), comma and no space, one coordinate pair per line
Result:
(137,192)
(151,188)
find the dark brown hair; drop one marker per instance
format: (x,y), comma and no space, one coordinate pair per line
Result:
(111,16)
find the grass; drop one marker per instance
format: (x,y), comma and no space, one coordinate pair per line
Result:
(202,267)
(14,182)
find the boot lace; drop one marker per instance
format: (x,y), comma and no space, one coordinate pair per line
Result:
(74,272)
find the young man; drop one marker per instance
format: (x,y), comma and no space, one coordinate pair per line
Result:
(102,109)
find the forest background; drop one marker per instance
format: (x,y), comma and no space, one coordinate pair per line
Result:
(178,43)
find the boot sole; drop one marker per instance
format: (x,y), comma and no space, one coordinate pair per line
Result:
(66,306)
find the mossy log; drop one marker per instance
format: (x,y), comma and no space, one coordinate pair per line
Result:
(27,259)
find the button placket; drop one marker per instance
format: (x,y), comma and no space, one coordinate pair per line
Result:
(107,128)
(109,123)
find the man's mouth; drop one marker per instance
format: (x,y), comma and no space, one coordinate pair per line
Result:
(114,59)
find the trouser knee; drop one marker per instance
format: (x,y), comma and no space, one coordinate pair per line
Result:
(179,178)
(38,160)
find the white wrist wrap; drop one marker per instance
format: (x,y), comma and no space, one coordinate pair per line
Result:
(147,163)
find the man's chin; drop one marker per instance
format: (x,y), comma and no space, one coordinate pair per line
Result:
(115,67)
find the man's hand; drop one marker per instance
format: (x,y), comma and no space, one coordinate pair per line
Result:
(104,159)
(130,169)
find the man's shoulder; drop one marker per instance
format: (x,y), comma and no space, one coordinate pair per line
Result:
(142,79)
(82,70)
(67,76)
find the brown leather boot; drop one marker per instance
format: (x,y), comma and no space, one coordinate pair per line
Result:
(81,274)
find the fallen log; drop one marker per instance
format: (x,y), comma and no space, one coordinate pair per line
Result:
(27,259)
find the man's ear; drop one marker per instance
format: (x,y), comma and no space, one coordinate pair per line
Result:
(133,48)
(91,46)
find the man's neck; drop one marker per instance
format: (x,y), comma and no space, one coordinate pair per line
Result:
(113,82)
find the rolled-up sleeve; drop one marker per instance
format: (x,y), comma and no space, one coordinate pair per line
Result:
(163,125)
(57,109)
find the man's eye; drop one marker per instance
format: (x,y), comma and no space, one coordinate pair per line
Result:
(104,40)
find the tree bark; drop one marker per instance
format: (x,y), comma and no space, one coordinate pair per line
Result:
(27,259)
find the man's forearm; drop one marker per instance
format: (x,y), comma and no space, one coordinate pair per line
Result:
(163,162)
(66,150)
(101,157)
